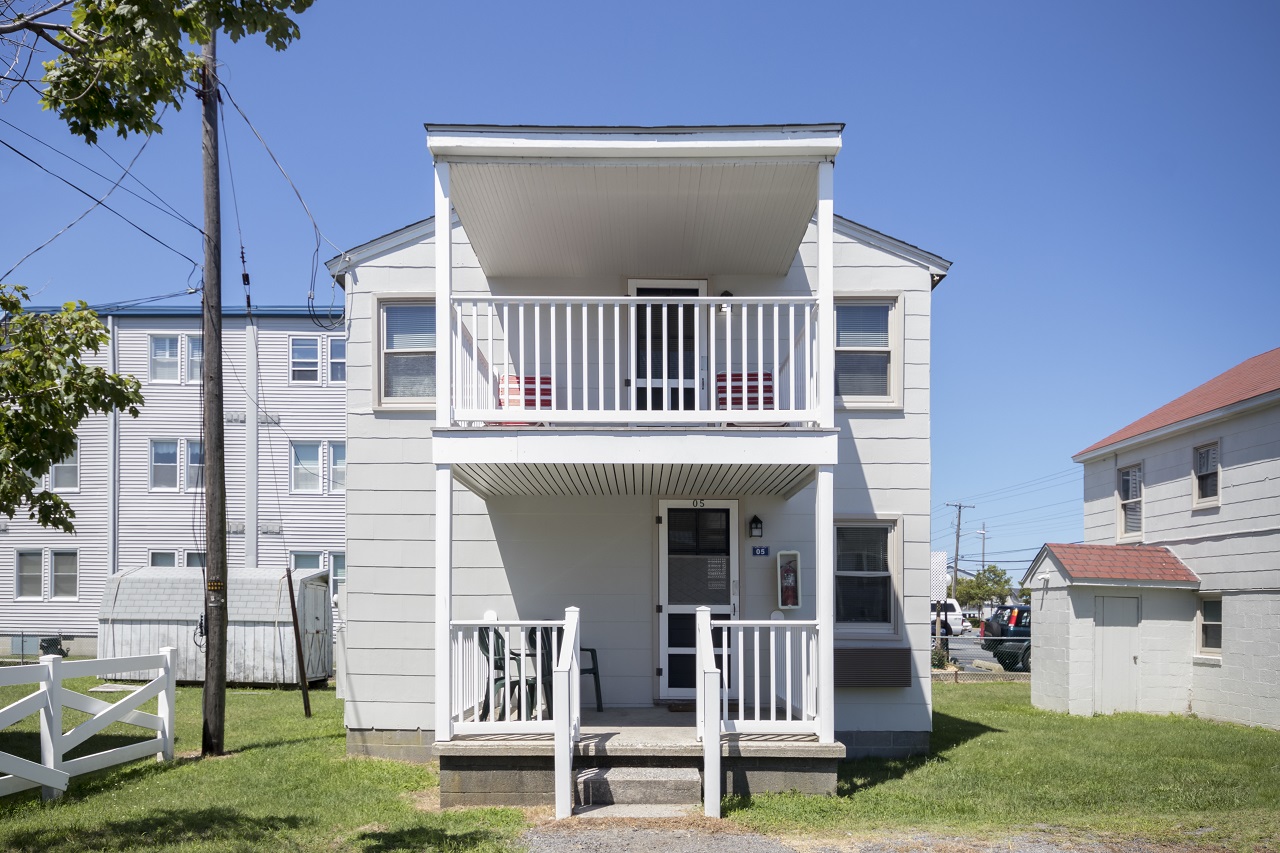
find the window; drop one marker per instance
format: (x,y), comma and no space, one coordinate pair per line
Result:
(337,571)
(1211,626)
(306,466)
(164,465)
(195,358)
(337,466)
(195,560)
(864,359)
(66,574)
(305,560)
(1131,500)
(1206,462)
(30,576)
(65,473)
(304,359)
(864,574)
(164,559)
(164,358)
(408,351)
(195,465)
(337,360)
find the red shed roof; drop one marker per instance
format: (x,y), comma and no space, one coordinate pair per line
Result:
(1255,377)
(1122,563)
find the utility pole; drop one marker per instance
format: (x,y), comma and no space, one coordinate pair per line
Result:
(215,484)
(955,559)
(983,534)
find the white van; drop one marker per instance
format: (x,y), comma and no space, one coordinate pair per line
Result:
(952,622)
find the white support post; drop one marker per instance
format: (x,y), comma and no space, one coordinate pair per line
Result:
(712,778)
(824,567)
(826,344)
(444,293)
(444,602)
(165,702)
(51,722)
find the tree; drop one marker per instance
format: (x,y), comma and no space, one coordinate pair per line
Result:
(988,586)
(46,390)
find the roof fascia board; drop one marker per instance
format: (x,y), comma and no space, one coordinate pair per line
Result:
(384,245)
(449,141)
(1259,402)
(1131,582)
(893,246)
(1035,565)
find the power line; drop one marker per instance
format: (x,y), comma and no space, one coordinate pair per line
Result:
(1016,486)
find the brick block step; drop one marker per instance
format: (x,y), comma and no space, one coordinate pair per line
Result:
(639,786)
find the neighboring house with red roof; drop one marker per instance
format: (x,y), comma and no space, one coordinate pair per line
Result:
(1172,605)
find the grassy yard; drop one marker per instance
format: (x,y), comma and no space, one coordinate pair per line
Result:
(999,768)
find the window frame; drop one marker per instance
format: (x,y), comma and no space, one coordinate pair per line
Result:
(381,399)
(1198,500)
(331,341)
(1123,535)
(187,444)
(294,463)
(152,554)
(334,488)
(293,560)
(18,575)
(294,361)
(893,526)
(895,350)
(151,465)
(334,581)
(1201,649)
(54,553)
(63,463)
(177,358)
(198,376)
(202,564)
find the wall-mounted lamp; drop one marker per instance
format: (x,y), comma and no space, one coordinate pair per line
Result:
(755,527)
(724,309)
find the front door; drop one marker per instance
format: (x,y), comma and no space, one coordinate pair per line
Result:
(670,347)
(697,565)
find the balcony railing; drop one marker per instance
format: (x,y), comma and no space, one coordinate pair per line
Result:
(637,360)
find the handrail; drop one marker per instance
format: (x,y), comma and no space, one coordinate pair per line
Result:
(774,667)
(568,722)
(709,720)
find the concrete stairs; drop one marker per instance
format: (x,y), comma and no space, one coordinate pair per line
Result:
(639,786)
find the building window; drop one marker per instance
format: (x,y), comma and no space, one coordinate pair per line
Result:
(337,571)
(65,473)
(864,574)
(408,351)
(164,465)
(164,559)
(1211,626)
(305,560)
(195,358)
(195,560)
(30,575)
(306,466)
(66,574)
(164,358)
(337,466)
(337,360)
(1206,460)
(195,465)
(1131,500)
(864,352)
(304,359)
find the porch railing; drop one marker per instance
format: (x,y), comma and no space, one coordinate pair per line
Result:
(635,360)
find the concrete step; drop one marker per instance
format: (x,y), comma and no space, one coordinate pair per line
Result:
(639,786)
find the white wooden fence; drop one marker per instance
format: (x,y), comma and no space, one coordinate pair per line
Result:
(54,770)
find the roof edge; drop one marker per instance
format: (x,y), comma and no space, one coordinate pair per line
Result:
(936,264)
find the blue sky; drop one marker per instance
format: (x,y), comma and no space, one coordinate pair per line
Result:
(1103,176)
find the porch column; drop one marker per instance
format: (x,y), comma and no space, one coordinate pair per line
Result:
(824,565)
(826,302)
(444,291)
(444,601)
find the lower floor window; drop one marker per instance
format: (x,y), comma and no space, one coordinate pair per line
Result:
(864,574)
(30,575)
(1211,626)
(66,574)
(337,571)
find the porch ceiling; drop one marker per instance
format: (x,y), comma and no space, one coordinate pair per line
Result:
(567,478)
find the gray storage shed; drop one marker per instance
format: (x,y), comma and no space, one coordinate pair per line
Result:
(146,609)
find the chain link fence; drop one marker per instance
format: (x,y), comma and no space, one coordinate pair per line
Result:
(968,657)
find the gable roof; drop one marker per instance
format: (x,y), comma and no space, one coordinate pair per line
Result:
(1137,564)
(1253,378)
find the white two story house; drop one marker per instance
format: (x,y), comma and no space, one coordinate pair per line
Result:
(639,391)
(1172,604)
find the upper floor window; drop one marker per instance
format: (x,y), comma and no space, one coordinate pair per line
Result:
(66,574)
(195,358)
(866,365)
(1131,501)
(195,464)
(164,464)
(337,466)
(65,473)
(337,360)
(864,574)
(306,466)
(164,358)
(29,579)
(408,358)
(1210,619)
(304,359)
(1206,461)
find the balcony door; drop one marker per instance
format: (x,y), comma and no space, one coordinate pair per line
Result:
(670,346)
(697,565)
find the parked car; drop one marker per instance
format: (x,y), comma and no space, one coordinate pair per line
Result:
(947,618)
(1007,635)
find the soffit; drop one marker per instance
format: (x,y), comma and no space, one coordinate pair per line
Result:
(673,480)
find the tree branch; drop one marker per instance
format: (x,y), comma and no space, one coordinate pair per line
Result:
(26,21)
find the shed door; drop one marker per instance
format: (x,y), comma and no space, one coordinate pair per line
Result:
(1115,648)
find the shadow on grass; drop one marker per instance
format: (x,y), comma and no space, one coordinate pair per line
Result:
(948,732)
(159,828)
(432,838)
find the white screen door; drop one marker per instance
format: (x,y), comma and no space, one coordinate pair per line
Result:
(670,348)
(697,565)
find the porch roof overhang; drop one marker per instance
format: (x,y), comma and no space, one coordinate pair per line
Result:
(659,202)
(673,461)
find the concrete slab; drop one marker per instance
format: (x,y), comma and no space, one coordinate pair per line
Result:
(631,810)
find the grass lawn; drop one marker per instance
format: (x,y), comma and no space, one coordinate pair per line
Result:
(999,768)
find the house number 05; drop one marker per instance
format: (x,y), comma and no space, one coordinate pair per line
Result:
(699,503)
